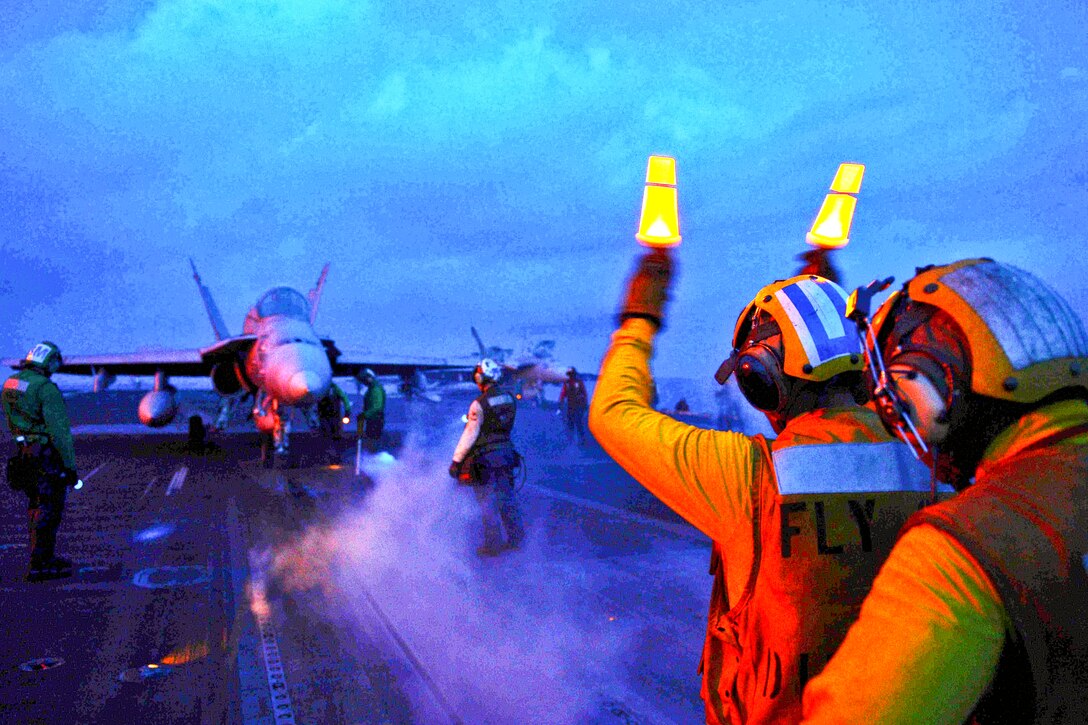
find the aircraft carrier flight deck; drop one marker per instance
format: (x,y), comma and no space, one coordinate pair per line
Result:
(336,588)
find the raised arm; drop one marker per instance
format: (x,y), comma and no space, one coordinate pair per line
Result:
(704,475)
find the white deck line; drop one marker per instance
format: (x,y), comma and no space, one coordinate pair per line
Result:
(177,481)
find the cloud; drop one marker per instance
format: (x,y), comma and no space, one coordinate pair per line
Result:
(501,136)
(391,98)
(238,100)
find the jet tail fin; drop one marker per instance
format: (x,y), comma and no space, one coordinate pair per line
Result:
(218,326)
(479,343)
(315,294)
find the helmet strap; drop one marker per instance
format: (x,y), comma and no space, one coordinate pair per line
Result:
(935,451)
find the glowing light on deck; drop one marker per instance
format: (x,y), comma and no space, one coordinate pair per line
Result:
(153,532)
(185,654)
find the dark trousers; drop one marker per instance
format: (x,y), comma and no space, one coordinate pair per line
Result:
(370,429)
(45,507)
(576,423)
(331,426)
(330,411)
(498,502)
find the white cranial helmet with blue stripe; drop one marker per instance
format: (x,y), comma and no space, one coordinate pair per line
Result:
(818,342)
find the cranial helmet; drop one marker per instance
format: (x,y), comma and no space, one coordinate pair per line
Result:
(487,371)
(792,333)
(963,351)
(44,356)
(367,375)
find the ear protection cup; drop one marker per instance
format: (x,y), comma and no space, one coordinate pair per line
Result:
(761,379)
(923,400)
(922,372)
(927,369)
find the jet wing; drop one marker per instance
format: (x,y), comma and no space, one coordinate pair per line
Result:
(172,362)
(178,363)
(542,373)
(403,366)
(232,348)
(533,371)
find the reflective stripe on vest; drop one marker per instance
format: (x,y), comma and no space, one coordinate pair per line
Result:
(16,384)
(850,468)
(500,399)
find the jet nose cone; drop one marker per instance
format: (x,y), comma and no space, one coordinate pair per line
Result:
(305,386)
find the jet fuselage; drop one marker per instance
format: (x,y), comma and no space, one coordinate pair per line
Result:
(287,361)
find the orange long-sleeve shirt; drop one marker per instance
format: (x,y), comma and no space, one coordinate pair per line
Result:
(703,475)
(710,477)
(931,631)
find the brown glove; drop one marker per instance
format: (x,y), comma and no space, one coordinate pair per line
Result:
(648,288)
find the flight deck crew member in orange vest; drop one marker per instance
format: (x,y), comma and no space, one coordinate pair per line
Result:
(799,524)
(981,611)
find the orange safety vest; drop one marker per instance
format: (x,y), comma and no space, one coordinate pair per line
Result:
(1025,520)
(825,517)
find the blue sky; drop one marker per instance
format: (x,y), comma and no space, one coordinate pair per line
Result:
(482,163)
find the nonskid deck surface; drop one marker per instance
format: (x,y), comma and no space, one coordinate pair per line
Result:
(210,588)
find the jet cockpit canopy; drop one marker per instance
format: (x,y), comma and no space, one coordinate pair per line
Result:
(279,302)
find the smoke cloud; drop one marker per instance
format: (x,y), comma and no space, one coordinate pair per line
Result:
(535,635)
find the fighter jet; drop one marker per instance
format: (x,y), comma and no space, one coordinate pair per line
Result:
(278,359)
(529,371)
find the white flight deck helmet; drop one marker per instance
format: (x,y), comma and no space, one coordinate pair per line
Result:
(367,375)
(487,371)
